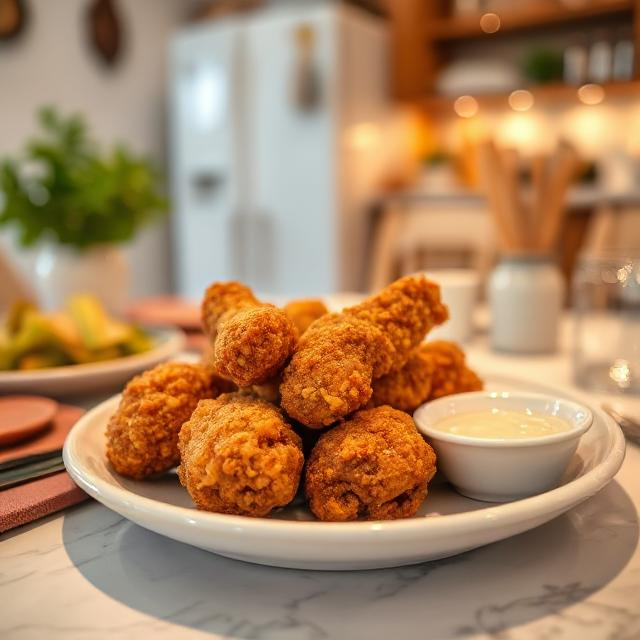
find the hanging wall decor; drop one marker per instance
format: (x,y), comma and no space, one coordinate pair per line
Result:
(105,30)
(13,18)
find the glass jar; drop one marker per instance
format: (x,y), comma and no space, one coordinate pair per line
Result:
(606,346)
(525,295)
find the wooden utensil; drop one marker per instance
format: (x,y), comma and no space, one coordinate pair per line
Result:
(561,173)
(492,177)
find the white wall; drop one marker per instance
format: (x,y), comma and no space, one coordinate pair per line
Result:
(52,64)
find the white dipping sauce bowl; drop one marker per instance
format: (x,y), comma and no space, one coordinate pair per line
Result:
(503,469)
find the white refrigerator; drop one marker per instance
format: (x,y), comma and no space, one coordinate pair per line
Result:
(277,121)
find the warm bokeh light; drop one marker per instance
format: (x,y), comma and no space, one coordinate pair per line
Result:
(592,130)
(363,136)
(466,106)
(591,94)
(521,100)
(490,22)
(527,132)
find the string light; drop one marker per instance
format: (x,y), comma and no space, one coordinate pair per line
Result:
(521,100)
(591,94)
(490,22)
(466,106)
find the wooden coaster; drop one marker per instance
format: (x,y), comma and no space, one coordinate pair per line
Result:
(22,417)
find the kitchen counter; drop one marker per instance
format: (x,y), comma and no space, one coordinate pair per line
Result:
(87,573)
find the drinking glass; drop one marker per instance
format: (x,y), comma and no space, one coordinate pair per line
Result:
(606,345)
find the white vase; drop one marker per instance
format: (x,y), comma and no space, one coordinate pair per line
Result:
(62,271)
(525,296)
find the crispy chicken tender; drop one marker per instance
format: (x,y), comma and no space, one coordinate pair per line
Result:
(331,371)
(251,340)
(406,388)
(239,456)
(142,435)
(330,374)
(303,312)
(451,373)
(406,311)
(375,466)
(434,369)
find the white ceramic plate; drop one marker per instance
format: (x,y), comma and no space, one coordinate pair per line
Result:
(447,523)
(78,379)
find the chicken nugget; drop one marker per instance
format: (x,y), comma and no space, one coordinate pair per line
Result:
(142,435)
(375,466)
(251,341)
(303,312)
(450,371)
(239,456)
(330,373)
(405,311)
(408,387)
(339,355)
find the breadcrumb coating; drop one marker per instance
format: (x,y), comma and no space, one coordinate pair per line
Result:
(405,311)
(408,387)
(142,435)
(303,312)
(375,466)
(451,373)
(331,371)
(239,456)
(251,341)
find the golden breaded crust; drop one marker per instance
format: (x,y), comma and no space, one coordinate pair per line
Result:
(239,456)
(253,345)
(223,298)
(405,311)
(303,312)
(251,341)
(142,436)
(408,387)
(451,373)
(375,466)
(330,373)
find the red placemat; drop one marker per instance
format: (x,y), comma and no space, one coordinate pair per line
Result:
(32,500)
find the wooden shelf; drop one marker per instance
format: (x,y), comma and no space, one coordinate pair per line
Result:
(544,94)
(542,15)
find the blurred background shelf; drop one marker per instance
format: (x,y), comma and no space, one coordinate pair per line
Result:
(531,17)
(550,94)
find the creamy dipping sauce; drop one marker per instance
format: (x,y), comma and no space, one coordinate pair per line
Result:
(498,424)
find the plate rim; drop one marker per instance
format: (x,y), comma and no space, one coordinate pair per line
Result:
(269,528)
(169,342)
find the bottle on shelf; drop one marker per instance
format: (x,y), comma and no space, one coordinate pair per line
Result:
(575,63)
(623,56)
(600,59)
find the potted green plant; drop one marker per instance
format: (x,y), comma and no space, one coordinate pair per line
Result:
(77,203)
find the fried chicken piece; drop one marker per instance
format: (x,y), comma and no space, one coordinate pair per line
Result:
(224,385)
(303,312)
(331,371)
(406,311)
(451,373)
(251,340)
(142,435)
(375,466)
(406,388)
(239,456)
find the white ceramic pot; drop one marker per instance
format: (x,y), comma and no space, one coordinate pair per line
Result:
(102,270)
(525,296)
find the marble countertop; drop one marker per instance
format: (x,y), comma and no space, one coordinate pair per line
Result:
(88,573)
